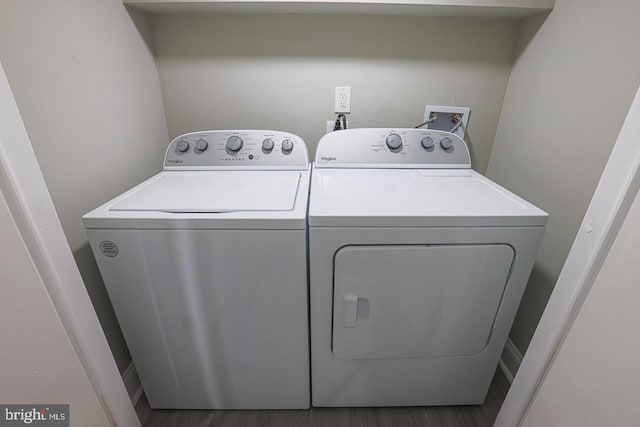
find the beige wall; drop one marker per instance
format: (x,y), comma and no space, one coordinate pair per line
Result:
(595,377)
(279,71)
(571,85)
(87,87)
(38,363)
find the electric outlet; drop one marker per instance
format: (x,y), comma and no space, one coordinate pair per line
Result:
(446,118)
(331,124)
(343,100)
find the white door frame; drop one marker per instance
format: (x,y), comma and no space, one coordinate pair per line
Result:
(26,193)
(618,187)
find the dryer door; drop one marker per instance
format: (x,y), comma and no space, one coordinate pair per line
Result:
(417,301)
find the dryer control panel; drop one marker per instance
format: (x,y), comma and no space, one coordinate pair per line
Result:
(237,149)
(392,148)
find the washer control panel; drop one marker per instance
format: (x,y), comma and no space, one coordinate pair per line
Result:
(236,149)
(392,148)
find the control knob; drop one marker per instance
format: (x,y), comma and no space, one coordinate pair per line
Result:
(446,143)
(201,144)
(394,141)
(234,143)
(267,145)
(182,146)
(287,146)
(427,143)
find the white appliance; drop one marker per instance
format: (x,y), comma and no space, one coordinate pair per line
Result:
(205,264)
(417,267)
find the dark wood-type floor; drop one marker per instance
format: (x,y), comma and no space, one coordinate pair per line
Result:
(472,416)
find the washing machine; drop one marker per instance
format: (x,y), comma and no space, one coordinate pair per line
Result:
(417,267)
(205,265)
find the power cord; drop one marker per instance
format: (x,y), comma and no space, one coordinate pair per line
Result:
(341,122)
(432,118)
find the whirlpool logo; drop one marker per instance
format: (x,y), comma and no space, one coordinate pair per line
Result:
(327,158)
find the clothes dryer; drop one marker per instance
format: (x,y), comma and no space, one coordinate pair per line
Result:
(417,267)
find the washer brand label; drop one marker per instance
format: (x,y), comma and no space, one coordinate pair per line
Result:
(175,162)
(327,158)
(108,248)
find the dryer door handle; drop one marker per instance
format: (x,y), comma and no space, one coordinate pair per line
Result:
(350,310)
(355,310)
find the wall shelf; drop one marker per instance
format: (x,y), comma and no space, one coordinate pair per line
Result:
(469,8)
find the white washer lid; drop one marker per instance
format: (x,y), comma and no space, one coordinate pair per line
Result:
(219,191)
(404,197)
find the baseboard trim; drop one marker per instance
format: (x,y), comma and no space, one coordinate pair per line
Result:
(132,383)
(510,360)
